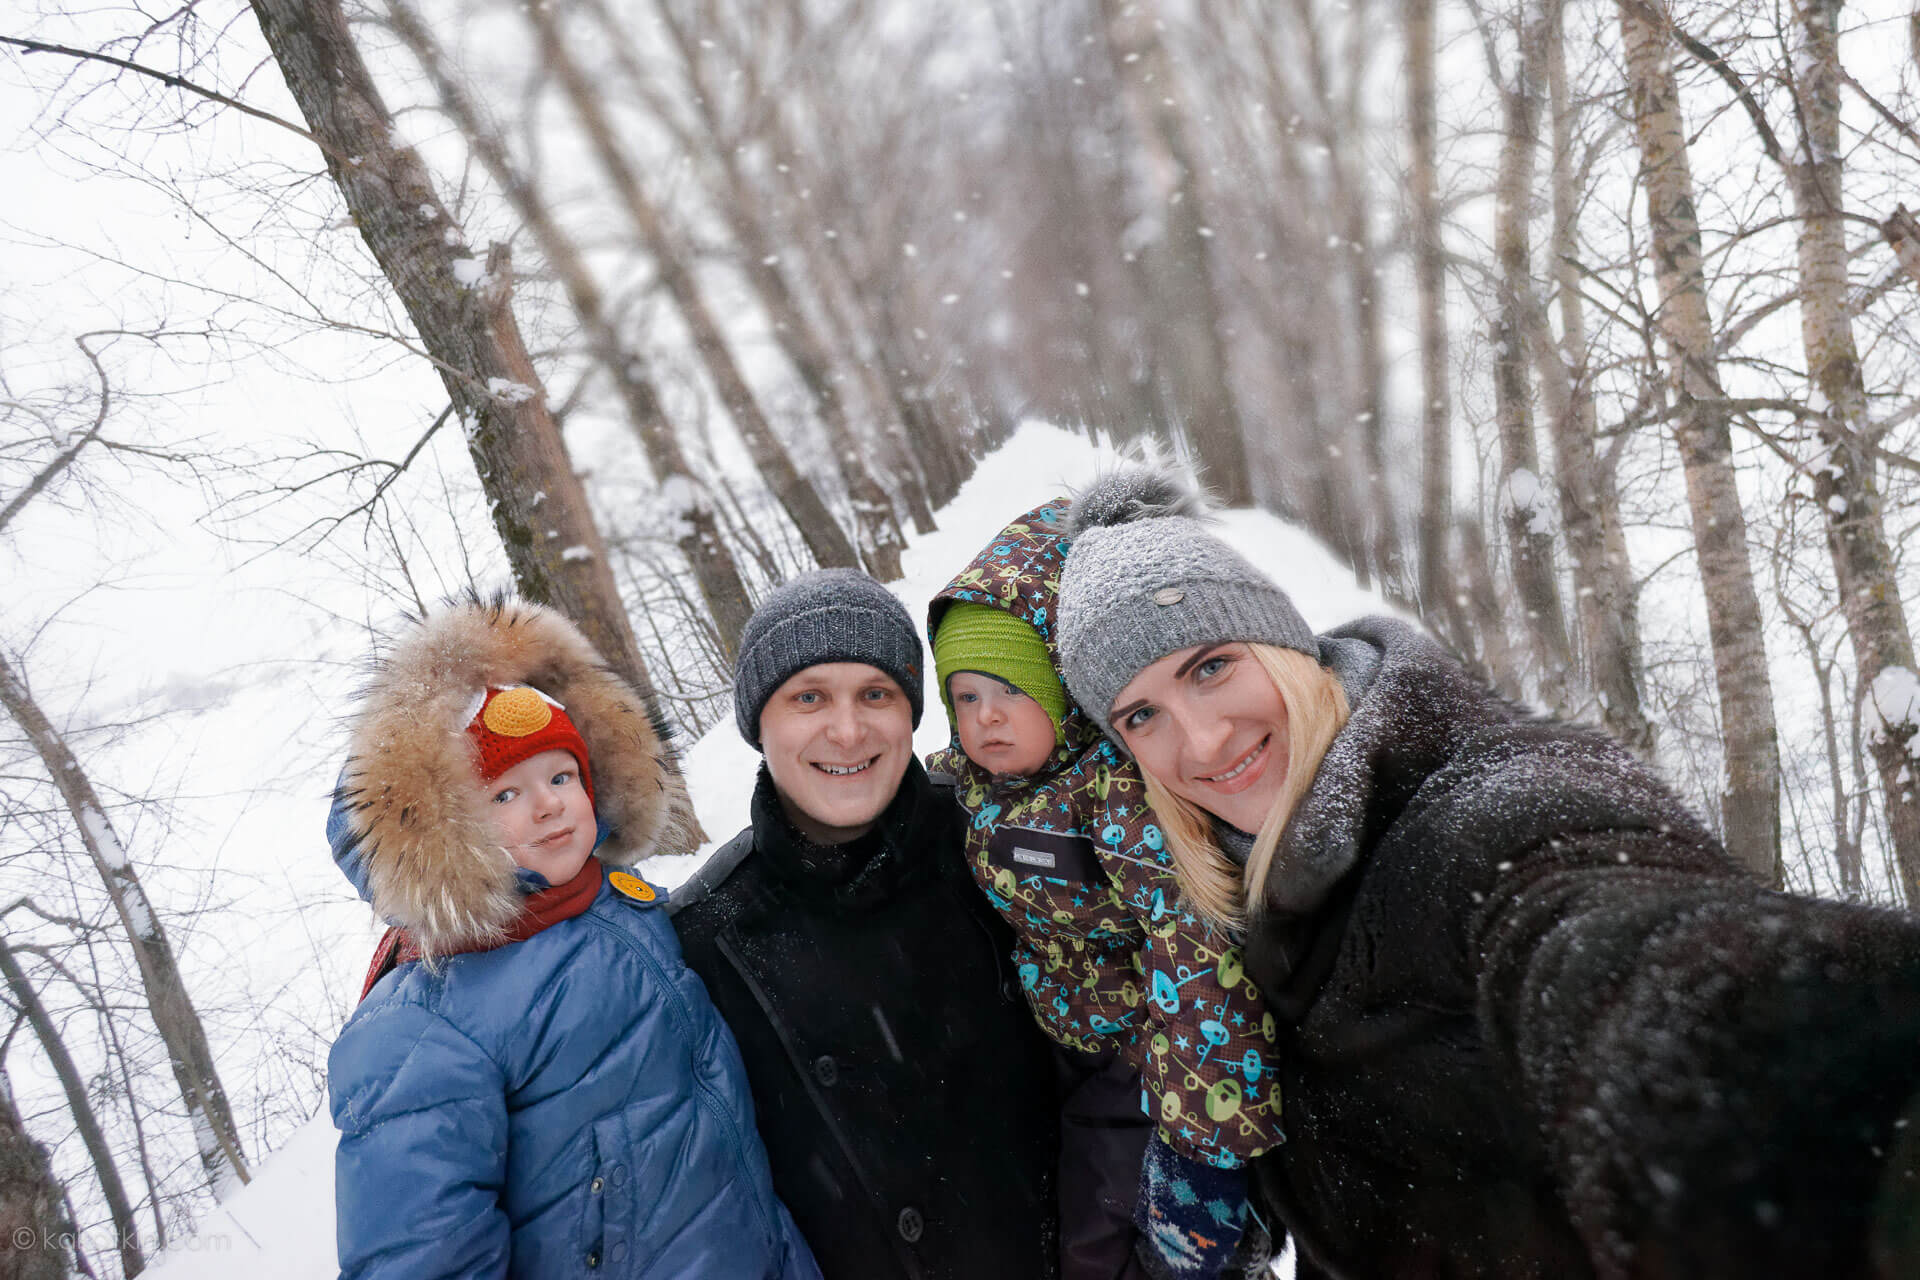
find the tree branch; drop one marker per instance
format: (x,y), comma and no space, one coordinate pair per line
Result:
(1880,108)
(164,77)
(1712,61)
(65,457)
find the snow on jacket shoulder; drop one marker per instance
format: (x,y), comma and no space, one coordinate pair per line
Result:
(566,1103)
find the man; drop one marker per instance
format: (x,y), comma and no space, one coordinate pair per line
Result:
(904,1094)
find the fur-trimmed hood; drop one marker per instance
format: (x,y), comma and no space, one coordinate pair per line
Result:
(427,860)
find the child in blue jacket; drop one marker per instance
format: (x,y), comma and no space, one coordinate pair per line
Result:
(534,1083)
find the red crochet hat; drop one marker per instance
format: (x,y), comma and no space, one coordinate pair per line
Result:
(517,723)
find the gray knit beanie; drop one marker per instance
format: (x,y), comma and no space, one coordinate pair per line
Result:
(1145,577)
(828,615)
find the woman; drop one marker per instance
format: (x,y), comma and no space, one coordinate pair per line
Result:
(1535,1022)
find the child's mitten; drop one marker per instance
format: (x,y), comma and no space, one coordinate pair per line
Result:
(1190,1214)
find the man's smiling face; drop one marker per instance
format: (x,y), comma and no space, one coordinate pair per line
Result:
(837,738)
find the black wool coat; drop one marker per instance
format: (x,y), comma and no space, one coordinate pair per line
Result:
(1537,1023)
(904,1095)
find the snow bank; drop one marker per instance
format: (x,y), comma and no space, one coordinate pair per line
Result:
(278,1225)
(281,1225)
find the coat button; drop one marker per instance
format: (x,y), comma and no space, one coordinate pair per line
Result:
(618,1253)
(911,1224)
(1009,992)
(826,1070)
(597,1185)
(593,1260)
(619,1173)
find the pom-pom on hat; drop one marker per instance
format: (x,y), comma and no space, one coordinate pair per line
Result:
(1147,577)
(979,637)
(517,722)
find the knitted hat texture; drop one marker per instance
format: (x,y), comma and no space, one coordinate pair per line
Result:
(978,637)
(1146,577)
(517,722)
(828,615)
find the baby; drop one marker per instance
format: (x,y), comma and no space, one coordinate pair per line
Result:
(533,1081)
(1136,989)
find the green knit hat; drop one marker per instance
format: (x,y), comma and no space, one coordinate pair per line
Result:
(978,637)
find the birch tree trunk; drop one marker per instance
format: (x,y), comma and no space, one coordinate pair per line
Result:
(1523,497)
(188,1052)
(33,1216)
(1438,593)
(1186,306)
(1348,161)
(1605,600)
(826,541)
(1750,806)
(1844,484)
(1357,367)
(684,494)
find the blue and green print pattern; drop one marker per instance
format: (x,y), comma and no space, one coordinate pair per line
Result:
(1108,954)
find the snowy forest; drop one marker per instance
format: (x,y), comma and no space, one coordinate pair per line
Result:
(1586,332)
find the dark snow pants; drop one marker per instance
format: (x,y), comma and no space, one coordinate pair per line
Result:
(1103,1133)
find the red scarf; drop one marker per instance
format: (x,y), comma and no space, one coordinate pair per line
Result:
(543,908)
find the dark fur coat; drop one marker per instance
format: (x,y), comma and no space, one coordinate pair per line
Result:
(1537,1023)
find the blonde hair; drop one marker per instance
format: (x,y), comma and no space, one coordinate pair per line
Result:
(1219,888)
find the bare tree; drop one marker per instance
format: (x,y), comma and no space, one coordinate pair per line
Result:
(166,993)
(1525,501)
(1184,306)
(763,267)
(825,539)
(27,1000)
(34,1224)
(1843,475)
(685,495)
(1356,439)
(1437,591)
(1353,191)
(462,310)
(1604,592)
(1750,806)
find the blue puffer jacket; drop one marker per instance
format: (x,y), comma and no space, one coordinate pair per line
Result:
(570,1104)
(558,1105)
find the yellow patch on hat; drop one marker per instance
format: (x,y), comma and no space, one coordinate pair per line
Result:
(632,886)
(516,713)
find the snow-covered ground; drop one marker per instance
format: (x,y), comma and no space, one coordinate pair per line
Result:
(281,1225)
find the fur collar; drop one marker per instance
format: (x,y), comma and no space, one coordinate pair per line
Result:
(1422,727)
(432,866)
(1408,716)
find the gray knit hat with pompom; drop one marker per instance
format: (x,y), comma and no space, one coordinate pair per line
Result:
(1146,577)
